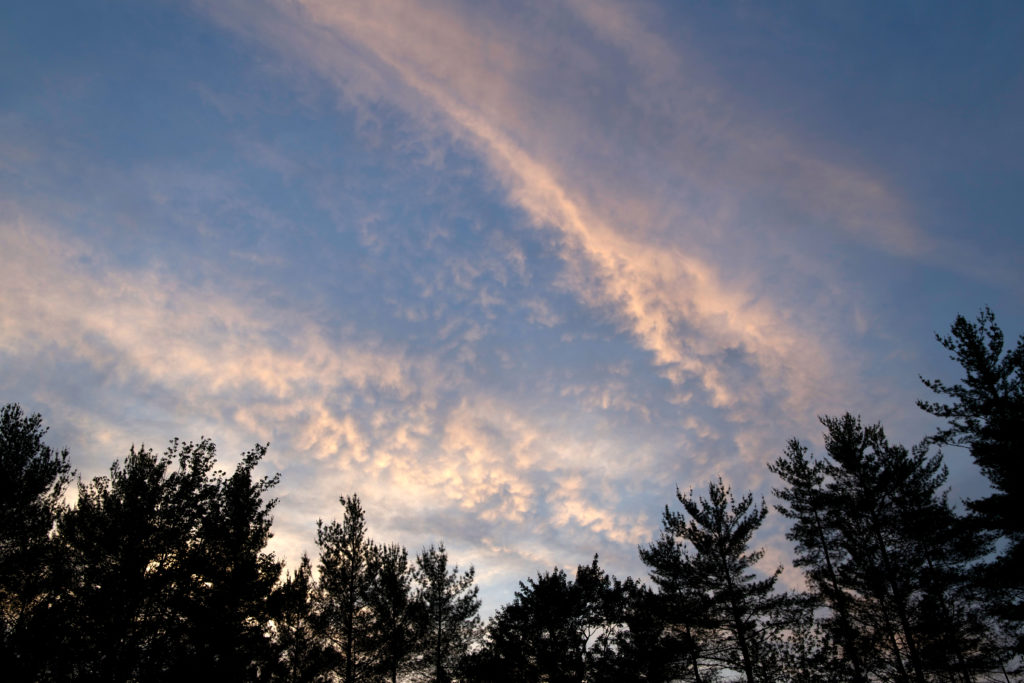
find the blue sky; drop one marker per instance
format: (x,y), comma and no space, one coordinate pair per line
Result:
(509,271)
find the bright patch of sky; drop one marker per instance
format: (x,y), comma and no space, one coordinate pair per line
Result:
(509,271)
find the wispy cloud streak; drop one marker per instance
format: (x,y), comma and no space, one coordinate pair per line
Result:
(451,69)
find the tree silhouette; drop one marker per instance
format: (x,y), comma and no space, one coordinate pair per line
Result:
(704,560)
(450,605)
(168,578)
(883,550)
(396,614)
(819,547)
(302,657)
(33,478)
(985,414)
(690,627)
(127,540)
(343,614)
(231,612)
(552,628)
(646,643)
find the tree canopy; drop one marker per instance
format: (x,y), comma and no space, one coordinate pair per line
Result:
(985,414)
(159,570)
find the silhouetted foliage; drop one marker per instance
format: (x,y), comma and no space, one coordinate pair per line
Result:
(128,540)
(232,612)
(703,563)
(684,607)
(449,603)
(168,578)
(550,631)
(397,616)
(644,646)
(33,478)
(819,546)
(343,614)
(985,414)
(159,571)
(302,657)
(802,651)
(882,549)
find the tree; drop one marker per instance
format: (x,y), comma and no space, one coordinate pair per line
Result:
(128,540)
(301,653)
(231,612)
(885,553)
(596,617)
(985,414)
(690,625)
(450,606)
(703,557)
(818,546)
(33,479)
(344,617)
(396,613)
(168,575)
(551,630)
(803,651)
(646,645)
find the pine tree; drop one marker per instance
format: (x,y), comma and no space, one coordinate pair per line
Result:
(450,606)
(986,415)
(690,627)
(168,577)
(396,613)
(301,653)
(128,540)
(883,550)
(557,629)
(646,644)
(819,546)
(231,612)
(712,565)
(344,617)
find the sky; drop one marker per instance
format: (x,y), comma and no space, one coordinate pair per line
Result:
(512,272)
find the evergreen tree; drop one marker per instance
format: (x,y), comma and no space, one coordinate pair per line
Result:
(396,614)
(168,574)
(231,613)
(646,646)
(450,606)
(33,479)
(556,629)
(128,541)
(302,657)
(704,556)
(690,626)
(985,414)
(597,615)
(883,550)
(532,638)
(819,547)
(344,617)
(804,651)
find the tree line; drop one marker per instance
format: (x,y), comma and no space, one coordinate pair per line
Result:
(159,570)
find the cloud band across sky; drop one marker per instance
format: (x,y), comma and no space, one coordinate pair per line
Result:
(511,272)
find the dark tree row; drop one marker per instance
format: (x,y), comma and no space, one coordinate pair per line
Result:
(159,571)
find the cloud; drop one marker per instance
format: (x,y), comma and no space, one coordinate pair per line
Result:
(429,450)
(148,326)
(481,81)
(696,332)
(672,211)
(145,340)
